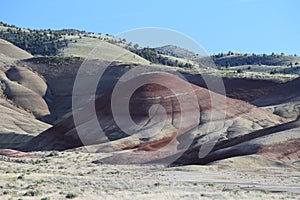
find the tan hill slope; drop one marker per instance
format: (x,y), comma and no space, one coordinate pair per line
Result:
(94,48)
(17,126)
(10,50)
(23,96)
(28,79)
(20,95)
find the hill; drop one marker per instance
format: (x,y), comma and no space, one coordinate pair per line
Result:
(155,56)
(40,88)
(240,120)
(21,98)
(176,51)
(95,48)
(276,67)
(232,59)
(12,51)
(16,125)
(71,42)
(238,59)
(284,101)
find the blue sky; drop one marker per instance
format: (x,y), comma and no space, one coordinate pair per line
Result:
(259,26)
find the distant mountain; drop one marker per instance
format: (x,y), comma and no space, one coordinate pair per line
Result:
(238,59)
(72,42)
(176,51)
(262,66)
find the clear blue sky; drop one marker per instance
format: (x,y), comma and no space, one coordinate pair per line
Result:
(260,26)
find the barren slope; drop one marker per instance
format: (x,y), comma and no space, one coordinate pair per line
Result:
(10,50)
(181,125)
(284,101)
(19,96)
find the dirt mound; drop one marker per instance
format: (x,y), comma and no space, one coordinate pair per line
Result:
(21,95)
(28,79)
(12,51)
(26,98)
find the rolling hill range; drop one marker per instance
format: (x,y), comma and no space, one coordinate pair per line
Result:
(238,59)
(173,121)
(71,42)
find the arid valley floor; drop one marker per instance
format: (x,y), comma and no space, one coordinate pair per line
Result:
(58,175)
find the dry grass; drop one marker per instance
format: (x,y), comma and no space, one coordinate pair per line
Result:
(71,174)
(93,48)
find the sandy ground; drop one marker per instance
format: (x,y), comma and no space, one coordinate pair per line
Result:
(72,174)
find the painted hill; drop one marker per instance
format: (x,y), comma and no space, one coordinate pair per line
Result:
(240,119)
(174,122)
(17,126)
(21,93)
(262,142)
(284,101)
(288,92)
(23,96)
